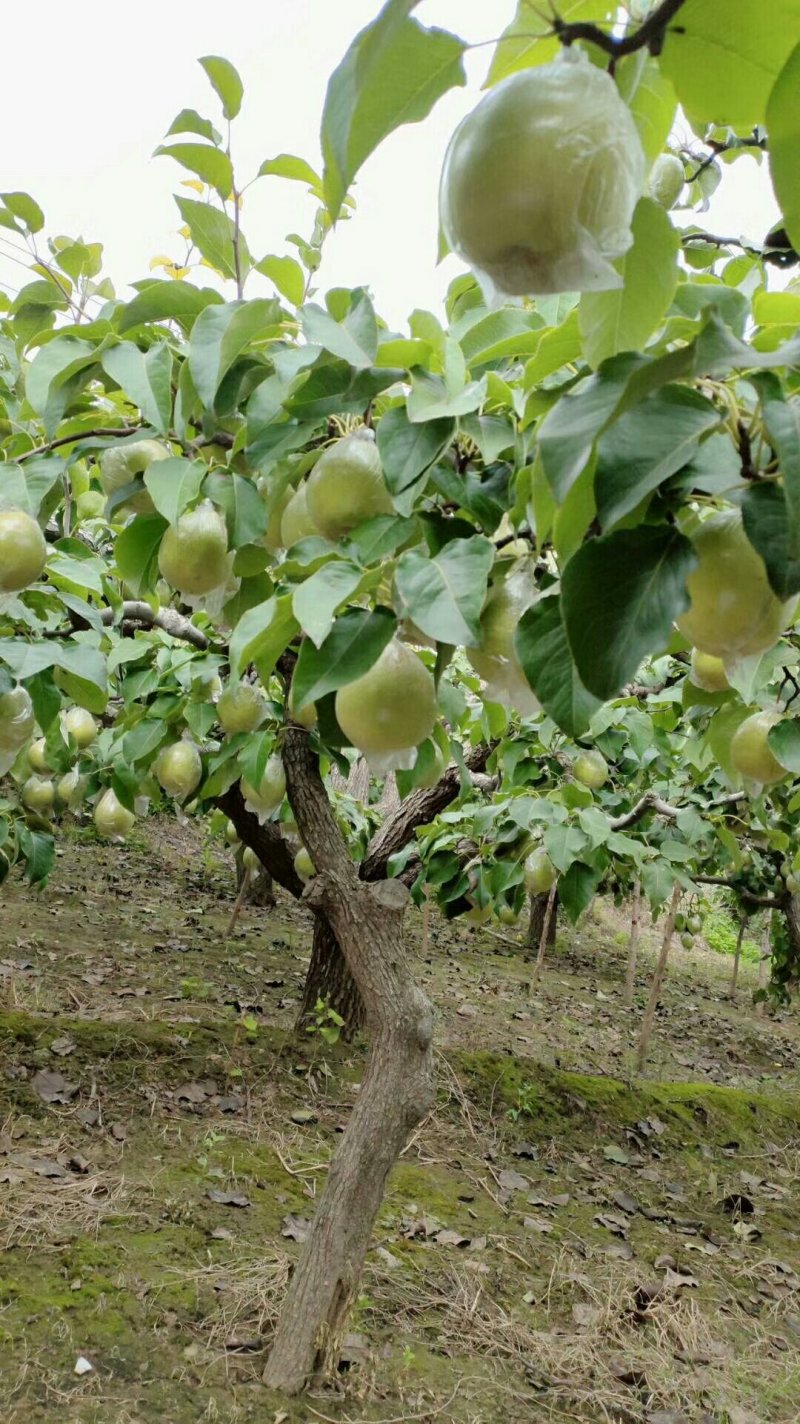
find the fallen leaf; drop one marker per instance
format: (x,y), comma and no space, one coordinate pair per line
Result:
(617,1225)
(62,1046)
(303,1116)
(82,1366)
(511,1181)
(586,1315)
(625,1203)
(451,1238)
(616,1154)
(221,1233)
(53,1087)
(227,1198)
(118,1131)
(536,1223)
(295,1228)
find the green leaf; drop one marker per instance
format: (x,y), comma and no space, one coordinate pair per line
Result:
(430,398)
(546,658)
(376,539)
(288,165)
(650,98)
(213,234)
(530,40)
(334,388)
(772,512)
(136,552)
(407,450)
(226,82)
(173,484)
(577,887)
(189,121)
(220,334)
(783,127)
(646,445)
(23,207)
(315,601)
(620,596)
(81,661)
(211,165)
(784,740)
(355,339)
(444,596)
(723,57)
(392,74)
(261,635)
(48,384)
(622,319)
(242,505)
(285,274)
(506,332)
(354,643)
(557,346)
(568,431)
(167,301)
(39,851)
(144,376)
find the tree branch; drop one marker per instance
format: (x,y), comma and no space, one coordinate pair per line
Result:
(648,802)
(650,34)
(97,433)
(418,809)
(768,902)
(266,840)
(168,619)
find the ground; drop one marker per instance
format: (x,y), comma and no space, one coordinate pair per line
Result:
(559,1241)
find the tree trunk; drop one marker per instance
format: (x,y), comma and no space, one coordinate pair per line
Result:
(658,980)
(396,1092)
(536,922)
(544,938)
(737,956)
(633,946)
(330,980)
(765,962)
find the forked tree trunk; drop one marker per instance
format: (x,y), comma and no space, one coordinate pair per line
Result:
(536,921)
(658,980)
(328,979)
(396,1093)
(633,946)
(737,956)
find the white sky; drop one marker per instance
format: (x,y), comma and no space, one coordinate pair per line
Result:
(87,95)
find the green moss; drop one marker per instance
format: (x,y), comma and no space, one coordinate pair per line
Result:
(551,1097)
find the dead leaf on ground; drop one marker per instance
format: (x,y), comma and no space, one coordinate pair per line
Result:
(295,1228)
(303,1116)
(612,1153)
(510,1181)
(53,1087)
(63,1046)
(536,1223)
(228,1198)
(617,1225)
(586,1315)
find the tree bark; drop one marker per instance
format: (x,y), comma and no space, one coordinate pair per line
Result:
(536,922)
(544,937)
(633,946)
(658,980)
(396,1093)
(737,956)
(330,980)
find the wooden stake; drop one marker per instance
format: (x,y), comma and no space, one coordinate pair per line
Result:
(240,899)
(548,915)
(426,923)
(765,962)
(633,945)
(737,956)
(658,979)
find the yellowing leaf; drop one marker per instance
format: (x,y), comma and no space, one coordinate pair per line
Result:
(193,183)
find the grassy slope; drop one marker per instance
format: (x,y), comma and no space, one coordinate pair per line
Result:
(531,1313)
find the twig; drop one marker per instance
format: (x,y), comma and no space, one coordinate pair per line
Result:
(650,34)
(240,899)
(99,431)
(168,619)
(548,915)
(658,979)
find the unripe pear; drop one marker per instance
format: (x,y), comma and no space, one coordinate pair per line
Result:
(590,769)
(666,180)
(750,751)
(23,551)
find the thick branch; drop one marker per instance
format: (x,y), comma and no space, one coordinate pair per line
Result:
(313,812)
(648,802)
(168,619)
(266,840)
(100,431)
(418,809)
(767,902)
(650,34)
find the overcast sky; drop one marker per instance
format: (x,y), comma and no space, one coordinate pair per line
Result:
(88,92)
